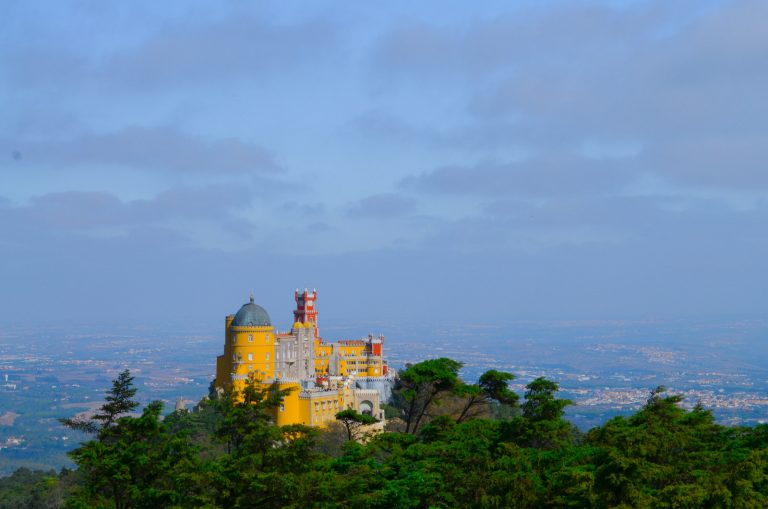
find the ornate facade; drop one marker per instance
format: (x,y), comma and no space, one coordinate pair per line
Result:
(323,378)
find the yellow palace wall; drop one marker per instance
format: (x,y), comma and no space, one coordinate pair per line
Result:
(251,349)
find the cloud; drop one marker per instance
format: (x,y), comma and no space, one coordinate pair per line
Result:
(512,40)
(599,158)
(319,227)
(381,206)
(43,66)
(686,82)
(629,227)
(314,210)
(160,149)
(467,136)
(80,211)
(218,50)
(197,46)
(714,161)
(544,176)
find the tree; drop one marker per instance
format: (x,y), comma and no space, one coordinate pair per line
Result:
(246,425)
(541,425)
(118,402)
(420,384)
(474,401)
(136,463)
(493,387)
(540,402)
(27,489)
(354,422)
(265,465)
(666,456)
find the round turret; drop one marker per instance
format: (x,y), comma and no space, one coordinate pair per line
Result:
(251,315)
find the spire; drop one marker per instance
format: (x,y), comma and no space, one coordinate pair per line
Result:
(251,297)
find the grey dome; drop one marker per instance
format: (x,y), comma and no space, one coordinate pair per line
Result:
(251,315)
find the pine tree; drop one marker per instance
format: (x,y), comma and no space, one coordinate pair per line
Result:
(119,402)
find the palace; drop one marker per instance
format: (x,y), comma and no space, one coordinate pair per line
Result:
(323,378)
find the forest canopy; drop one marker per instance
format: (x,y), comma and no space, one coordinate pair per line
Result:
(448,443)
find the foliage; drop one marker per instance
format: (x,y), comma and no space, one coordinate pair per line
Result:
(118,402)
(136,462)
(542,424)
(491,389)
(495,385)
(27,489)
(228,454)
(355,422)
(420,384)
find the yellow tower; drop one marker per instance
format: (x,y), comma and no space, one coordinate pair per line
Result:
(249,347)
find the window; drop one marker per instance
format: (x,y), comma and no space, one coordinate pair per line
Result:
(267,338)
(250,356)
(250,367)
(267,355)
(282,407)
(322,405)
(267,368)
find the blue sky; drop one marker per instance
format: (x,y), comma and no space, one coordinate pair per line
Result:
(445,161)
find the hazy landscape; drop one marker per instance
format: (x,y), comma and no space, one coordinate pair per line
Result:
(606,368)
(572,192)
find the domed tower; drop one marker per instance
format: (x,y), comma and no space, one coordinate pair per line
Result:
(249,347)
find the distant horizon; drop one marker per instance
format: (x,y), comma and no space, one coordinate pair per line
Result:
(188,325)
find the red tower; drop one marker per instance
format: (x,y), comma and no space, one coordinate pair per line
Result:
(305,307)
(377,345)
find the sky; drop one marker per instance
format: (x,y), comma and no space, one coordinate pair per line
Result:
(437,162)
